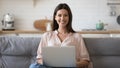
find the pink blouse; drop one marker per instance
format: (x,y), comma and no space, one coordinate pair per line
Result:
(73,39)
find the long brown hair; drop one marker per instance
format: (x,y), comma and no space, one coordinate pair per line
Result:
(69,25)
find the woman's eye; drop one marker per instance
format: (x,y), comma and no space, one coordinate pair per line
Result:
(66,15)
(59,15)
(62,15)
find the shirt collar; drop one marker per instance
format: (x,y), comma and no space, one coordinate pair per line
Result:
(56,32)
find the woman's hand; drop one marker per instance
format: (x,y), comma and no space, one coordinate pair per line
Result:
(40,61)
(82,64)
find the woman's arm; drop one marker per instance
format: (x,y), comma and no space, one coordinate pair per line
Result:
(42,43)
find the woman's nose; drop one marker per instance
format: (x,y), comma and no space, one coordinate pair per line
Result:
(62,18)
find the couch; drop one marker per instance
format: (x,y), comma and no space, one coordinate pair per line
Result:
(20,52)
(104,52)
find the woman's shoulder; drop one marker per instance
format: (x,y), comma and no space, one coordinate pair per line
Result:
(76,34)
(48,33)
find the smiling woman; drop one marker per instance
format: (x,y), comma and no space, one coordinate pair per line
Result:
(62,34)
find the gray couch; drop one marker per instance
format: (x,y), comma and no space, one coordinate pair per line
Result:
(104,52)
(20,52)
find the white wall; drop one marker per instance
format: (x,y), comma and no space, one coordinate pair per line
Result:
(86,13)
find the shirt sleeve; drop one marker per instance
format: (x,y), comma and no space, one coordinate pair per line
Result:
(83,52)
(43,42)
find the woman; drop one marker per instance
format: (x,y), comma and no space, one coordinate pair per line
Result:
(63,35)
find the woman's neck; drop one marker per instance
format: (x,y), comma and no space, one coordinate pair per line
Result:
(62,31)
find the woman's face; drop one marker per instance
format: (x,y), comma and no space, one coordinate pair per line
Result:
(62,17)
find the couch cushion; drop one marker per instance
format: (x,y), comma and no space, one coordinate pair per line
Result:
(18,52)
(104,52)
(103,46)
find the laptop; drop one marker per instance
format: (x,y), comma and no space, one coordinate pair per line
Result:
(55,56)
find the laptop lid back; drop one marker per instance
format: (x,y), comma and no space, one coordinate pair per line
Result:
(59,56)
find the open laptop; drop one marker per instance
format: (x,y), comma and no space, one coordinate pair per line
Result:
(59,56)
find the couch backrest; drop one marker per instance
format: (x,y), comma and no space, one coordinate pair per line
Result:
(104,52)
(18,52)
